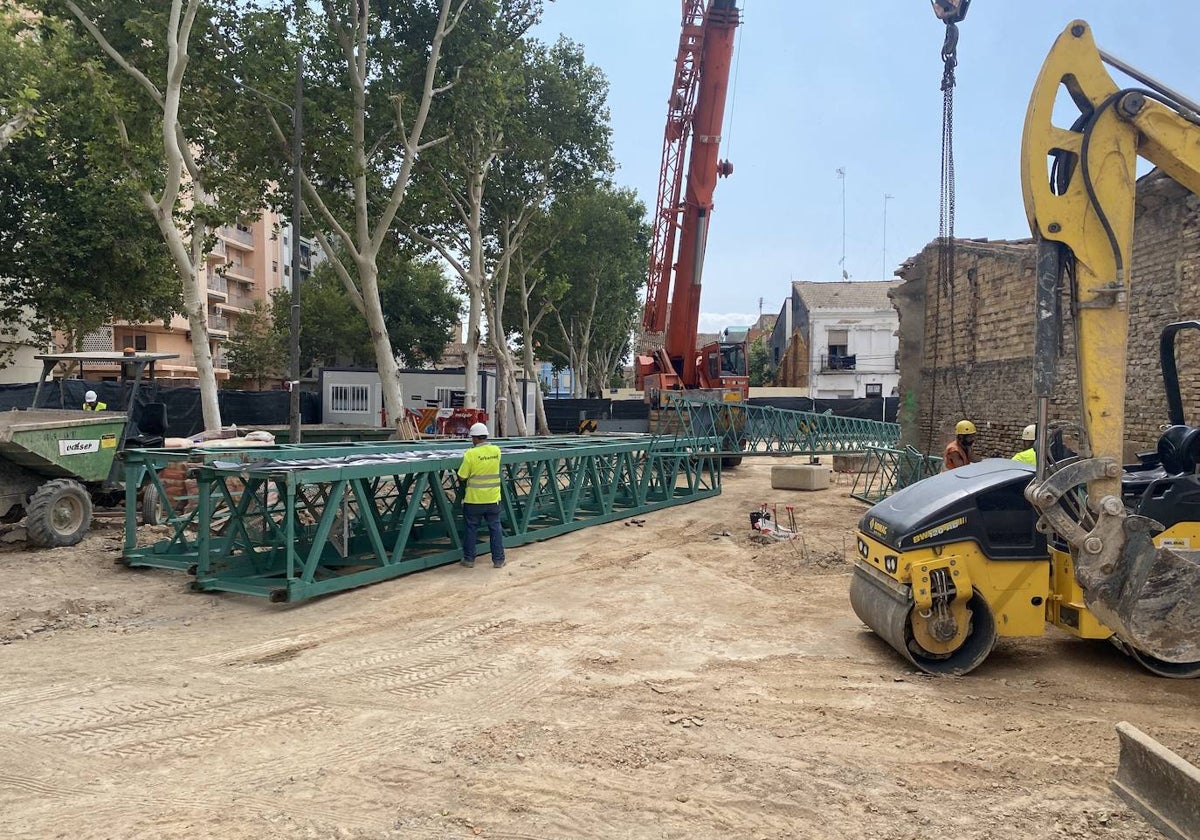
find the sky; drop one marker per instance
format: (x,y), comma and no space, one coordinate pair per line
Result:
(818,86)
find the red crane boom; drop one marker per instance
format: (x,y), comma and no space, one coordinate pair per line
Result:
(695,112)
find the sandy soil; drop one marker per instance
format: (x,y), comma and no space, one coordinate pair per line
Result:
(674,680)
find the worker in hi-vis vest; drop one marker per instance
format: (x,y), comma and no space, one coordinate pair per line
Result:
(1029,454)
(479,475)
(92,403)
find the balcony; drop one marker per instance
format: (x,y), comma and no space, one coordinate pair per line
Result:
(239,238)
(831,362)
(239,272)
(243,303)
(218,323)
(217,285)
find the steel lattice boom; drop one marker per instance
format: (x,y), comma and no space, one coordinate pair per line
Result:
(291,522)
(764,430)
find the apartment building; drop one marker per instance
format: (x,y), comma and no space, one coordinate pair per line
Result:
(243,267)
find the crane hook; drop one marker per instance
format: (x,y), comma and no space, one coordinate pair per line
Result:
(950,11)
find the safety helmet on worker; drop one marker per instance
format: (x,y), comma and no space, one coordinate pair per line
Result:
(964,427)
(478,430)
(1029,433)
(90,396)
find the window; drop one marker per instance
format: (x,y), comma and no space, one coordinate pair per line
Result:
(450,397)
(350,399)
(274,266)
(733,360)
(874,389)
(839,351)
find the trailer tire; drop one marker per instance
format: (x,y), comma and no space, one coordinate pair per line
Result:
(154,511)
(59,513)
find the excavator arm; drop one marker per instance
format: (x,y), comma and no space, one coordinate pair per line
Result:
(1083,217)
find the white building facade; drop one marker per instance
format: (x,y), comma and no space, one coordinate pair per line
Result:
(851,330)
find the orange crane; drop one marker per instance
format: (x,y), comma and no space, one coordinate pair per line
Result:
(695,111)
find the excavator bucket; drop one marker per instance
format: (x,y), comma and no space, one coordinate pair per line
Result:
(1150,598)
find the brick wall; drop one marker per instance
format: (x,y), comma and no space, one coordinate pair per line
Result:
(966,349)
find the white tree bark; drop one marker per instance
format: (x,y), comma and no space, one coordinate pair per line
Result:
(15,125)
(169,212)
(363,237)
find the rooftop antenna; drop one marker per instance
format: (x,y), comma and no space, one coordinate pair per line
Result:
(886,198)
(841,173)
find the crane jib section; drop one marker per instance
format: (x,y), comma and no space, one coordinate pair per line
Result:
(695,113)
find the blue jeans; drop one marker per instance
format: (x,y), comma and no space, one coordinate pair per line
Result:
(472,513)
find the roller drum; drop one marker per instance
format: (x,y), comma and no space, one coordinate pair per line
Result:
(886,606)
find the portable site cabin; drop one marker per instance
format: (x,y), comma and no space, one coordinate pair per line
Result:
(354,396)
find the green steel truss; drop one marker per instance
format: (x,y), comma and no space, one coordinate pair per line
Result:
(884,471)
(292,522)
(764,430)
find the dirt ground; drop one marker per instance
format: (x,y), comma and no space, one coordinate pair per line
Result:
(674,680)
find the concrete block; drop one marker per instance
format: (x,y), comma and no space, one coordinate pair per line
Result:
(800,477)
(851,463)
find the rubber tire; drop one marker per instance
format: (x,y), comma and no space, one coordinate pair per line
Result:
(1158,667)
(50,498)
(154,512)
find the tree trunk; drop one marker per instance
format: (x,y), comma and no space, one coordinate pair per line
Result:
(385,360)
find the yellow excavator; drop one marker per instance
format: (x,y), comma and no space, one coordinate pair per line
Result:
(1100,549)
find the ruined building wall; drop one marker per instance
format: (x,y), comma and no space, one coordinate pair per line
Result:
(967,348)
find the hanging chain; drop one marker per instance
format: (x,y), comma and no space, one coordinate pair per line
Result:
(946,244)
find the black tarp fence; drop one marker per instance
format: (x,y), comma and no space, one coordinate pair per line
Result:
(184,417)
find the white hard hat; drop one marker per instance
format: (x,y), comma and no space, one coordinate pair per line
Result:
(90,396)
(1030,432)
(478,430)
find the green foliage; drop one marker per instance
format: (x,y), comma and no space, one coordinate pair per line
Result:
(419,309)
(221,124)
(77,247)
(759,364)
(257,351)
(599,261)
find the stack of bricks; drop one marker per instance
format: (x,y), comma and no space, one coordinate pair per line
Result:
(176,483)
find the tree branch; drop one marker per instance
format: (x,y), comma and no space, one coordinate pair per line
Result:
(119,59)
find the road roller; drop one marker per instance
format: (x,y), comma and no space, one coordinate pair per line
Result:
(947,565)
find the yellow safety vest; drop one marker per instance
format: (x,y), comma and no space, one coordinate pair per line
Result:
(100,406)
(481,470)
(1026,456)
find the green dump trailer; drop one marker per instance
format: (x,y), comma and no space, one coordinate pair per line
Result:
(54,462)
(49,460)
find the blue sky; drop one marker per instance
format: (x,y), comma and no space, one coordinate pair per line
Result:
(823,85)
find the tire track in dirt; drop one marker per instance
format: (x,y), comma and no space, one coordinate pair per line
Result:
(57,691)
(117,801)
(171,724)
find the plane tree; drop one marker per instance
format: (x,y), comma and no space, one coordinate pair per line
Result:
(526,126)
(177,128)
(77,249)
